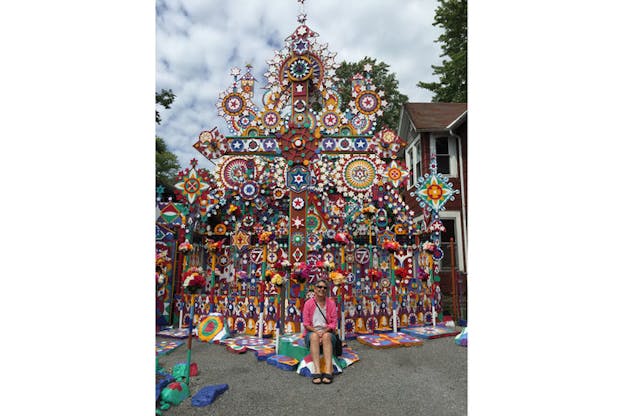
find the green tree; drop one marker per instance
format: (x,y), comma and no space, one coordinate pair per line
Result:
(452,16)
(167,164)
(164,98)
(382,79)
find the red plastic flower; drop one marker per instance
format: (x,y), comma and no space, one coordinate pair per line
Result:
(401,272)
(194,280)
(185,247)
(375,275)
(301,272)
(391,245)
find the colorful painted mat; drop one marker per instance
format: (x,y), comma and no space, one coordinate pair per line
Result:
(263,354)
(165,347)
(174,333)
(348,357)
(250,342)
(389,340)
(283,362)
(306,366)
(431,332)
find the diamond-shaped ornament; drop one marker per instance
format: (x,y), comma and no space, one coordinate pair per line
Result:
(297,254)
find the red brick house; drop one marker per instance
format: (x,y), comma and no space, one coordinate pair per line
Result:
(440,129)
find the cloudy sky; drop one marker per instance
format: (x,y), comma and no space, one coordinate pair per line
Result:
(199,41)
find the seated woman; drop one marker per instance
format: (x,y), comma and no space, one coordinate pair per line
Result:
(320,317)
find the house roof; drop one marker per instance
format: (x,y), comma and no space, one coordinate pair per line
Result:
(435,116)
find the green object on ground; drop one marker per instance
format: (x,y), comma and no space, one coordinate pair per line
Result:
(179,371)
(287,348)
(174,394)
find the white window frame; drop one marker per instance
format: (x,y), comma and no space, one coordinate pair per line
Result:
(459,238)
(410,161)
(452,147)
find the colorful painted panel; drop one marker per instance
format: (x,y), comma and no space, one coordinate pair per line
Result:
(165,347)
(431,332)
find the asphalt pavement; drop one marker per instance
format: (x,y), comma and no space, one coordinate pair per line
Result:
(422,380)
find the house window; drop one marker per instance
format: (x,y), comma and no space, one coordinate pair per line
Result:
(418,163)
(413,160)
(445,151)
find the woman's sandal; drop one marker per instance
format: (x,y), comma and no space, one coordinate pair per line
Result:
(316,376)
(328,377)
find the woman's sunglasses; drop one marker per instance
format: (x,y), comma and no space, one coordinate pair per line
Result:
(321,287)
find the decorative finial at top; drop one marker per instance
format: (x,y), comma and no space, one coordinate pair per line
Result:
(301,17)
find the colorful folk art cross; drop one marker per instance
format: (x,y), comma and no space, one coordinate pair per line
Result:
(300,123)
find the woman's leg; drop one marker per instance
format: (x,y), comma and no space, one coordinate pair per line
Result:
(327,352)
(315,351)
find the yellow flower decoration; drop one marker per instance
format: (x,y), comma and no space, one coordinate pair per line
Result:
(277,279)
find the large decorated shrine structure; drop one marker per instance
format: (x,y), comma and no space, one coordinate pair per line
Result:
(302,190)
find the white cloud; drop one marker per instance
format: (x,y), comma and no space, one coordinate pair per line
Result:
(198,42)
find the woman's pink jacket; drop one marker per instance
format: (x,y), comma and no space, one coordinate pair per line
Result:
(331,314)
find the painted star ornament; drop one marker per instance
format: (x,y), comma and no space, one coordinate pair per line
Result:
(192,185)
(395,174)
(434,190)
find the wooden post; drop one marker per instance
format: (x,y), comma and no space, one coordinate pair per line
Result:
(260,293)
(432,288)
(370,243)
(190,340)
(213,303)
(174,268)
(282,310)
(454,282)
(394,295)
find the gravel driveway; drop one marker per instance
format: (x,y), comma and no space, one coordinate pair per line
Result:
(423,380)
